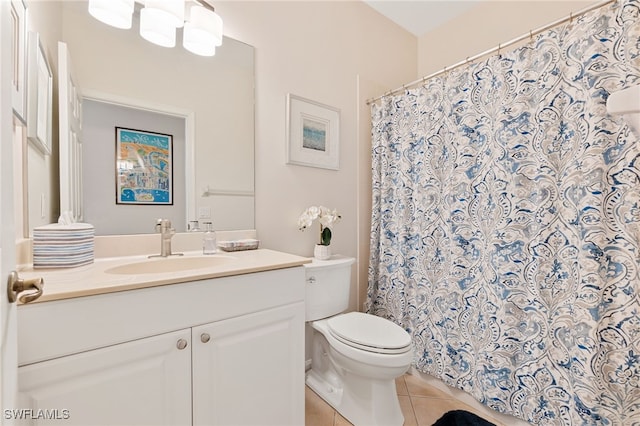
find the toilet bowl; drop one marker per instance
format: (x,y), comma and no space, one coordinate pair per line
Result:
(355,357)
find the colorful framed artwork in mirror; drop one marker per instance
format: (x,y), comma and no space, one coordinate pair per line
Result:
(144,167)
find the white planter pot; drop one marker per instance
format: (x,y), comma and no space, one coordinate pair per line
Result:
(321,252)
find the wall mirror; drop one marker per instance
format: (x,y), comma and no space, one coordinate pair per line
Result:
(213,96)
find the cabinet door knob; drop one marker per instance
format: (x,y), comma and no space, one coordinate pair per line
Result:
(182,344)
(204,337)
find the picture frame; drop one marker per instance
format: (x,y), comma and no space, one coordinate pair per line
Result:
(313,133)
(18,15)
(144,167)
(40,94)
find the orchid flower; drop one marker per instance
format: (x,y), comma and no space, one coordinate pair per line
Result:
(325,216)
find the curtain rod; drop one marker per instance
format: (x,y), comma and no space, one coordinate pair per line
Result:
(498,48)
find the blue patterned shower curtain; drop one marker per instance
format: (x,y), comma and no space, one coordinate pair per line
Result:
(506,224)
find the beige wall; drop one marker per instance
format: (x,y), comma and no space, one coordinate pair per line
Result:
(336,53)
(485,26)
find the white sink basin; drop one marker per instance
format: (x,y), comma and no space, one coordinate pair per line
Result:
(158,265)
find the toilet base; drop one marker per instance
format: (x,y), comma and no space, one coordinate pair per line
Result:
(362,401)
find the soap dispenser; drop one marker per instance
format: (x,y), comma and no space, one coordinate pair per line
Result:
(209,239)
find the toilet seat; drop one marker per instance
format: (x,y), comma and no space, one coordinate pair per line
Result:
(369,333)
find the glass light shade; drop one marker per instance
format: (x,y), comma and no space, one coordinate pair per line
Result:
(172,9)
(197,41)
(116,13)
(156,28)
(202,32)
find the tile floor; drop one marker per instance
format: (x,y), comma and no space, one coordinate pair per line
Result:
(421,405)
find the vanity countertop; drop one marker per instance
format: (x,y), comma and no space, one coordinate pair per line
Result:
(93,279)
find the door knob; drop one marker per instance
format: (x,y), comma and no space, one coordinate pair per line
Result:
(16,285)
(182,344)
(204,337)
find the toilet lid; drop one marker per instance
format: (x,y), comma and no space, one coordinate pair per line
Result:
(369,333)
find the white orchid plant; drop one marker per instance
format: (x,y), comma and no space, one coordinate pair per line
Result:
(325,216)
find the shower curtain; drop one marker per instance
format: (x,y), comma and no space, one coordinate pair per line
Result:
(506,224)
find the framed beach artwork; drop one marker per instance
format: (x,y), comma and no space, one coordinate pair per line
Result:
(144,167)
(313,133)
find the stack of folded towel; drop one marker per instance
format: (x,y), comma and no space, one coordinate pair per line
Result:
(63,246)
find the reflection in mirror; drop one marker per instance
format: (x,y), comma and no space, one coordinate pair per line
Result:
(215,92)
(109,218)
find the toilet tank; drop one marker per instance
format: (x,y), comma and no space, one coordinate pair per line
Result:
(327,286)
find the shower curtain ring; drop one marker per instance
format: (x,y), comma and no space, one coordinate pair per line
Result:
(499,47)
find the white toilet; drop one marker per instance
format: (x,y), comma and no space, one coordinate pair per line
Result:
(356,357)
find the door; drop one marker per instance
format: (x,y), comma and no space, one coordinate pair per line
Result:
(70,144)
(142,382)
(8,328)
(249,370)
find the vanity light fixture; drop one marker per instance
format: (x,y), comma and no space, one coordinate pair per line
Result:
(159,19)
(116,13)
(203,32)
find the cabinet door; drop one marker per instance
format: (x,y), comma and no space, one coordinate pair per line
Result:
(249,370)
(143,382)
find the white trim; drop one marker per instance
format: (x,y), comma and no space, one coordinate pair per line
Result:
(8,318)
(19,83)
(40,90)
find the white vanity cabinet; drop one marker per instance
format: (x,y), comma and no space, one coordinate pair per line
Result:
(144,382)
(223,351)
(243,369)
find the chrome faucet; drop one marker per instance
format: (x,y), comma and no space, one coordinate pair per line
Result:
(163,226)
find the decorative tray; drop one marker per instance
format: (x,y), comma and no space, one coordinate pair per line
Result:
(238,245)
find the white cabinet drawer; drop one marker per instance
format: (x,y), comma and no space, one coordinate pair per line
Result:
(53,329)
